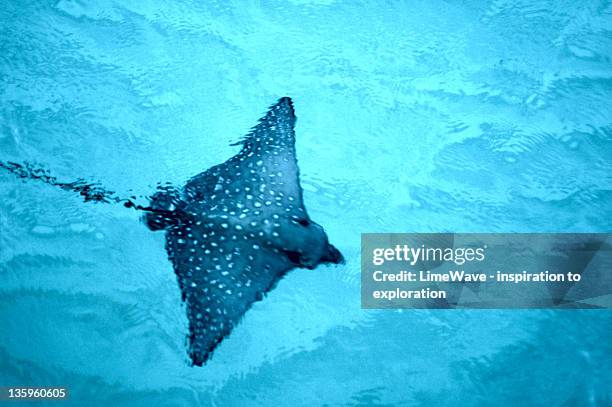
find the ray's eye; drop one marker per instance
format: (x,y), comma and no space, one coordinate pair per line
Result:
(302,221)
(294,257)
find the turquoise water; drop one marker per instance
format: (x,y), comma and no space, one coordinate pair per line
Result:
(421,116)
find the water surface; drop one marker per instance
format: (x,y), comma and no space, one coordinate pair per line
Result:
(423,116)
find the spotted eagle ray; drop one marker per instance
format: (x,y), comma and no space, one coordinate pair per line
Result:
(233,231)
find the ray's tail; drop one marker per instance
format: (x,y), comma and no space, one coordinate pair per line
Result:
(164,208)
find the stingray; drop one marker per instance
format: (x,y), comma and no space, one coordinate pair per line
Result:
(232,231)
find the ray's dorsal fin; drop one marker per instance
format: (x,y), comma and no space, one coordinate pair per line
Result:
(246,227)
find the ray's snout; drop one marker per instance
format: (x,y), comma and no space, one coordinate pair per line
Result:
(332,255)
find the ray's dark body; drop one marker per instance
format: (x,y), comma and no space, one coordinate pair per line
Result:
(239,228)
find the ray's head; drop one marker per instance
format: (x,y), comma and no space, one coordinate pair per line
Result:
(329,254)
(307,245)
(332,255)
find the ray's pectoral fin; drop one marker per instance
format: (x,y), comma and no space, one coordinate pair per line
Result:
(220,278)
